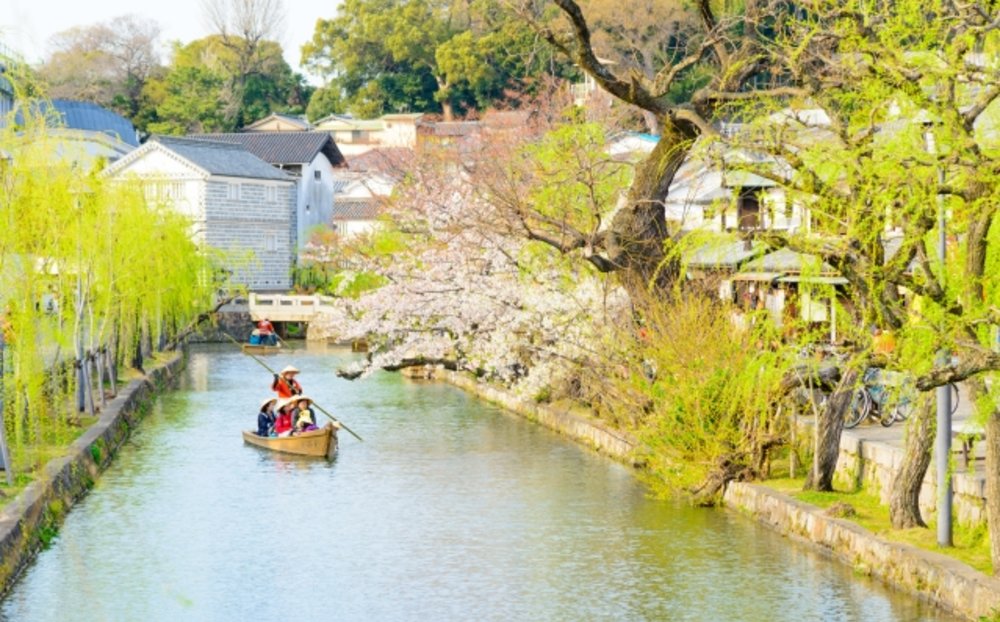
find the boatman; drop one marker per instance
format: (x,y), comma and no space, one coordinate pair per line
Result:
(266,331)
(285,383)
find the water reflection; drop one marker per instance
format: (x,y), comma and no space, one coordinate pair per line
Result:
(451,510)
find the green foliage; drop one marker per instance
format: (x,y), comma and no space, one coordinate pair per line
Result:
(206,88)
(417,55)
(699,393)
(112,265)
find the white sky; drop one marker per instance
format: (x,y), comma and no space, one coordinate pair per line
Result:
(27,25)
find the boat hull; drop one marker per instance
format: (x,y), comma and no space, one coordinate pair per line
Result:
(253,348)
(320,443)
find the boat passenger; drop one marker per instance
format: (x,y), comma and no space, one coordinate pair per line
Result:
(283,421)
(266,331)
(303,415)
(265,418)
(285,383)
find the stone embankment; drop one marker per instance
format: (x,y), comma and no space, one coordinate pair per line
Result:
(941,580)
(34,516)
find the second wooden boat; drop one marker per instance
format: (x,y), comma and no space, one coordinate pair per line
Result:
(256,348)
(318,443)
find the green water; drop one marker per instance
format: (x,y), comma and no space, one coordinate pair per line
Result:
(450,510)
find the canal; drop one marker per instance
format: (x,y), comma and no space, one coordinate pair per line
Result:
(450,510)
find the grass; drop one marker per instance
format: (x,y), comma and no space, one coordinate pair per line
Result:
(971,545)
(27,469)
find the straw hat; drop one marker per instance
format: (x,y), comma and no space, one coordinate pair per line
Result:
(266,402)
(300,398)
(289,370)
(284,402)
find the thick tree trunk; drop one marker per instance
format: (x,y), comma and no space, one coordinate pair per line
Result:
(830,425)
(639,234)
(904,500)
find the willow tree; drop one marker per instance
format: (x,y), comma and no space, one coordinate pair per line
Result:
(892,145)
(84,262)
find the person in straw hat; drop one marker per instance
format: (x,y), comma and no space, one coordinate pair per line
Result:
(265,418)
(283,421)
(303,415)
(285,383)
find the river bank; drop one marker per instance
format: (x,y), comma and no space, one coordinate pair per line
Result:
(31,520)
(948,584)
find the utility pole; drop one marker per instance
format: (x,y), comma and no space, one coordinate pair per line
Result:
(942,441)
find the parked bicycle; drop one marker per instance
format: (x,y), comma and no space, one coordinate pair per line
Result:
(887,397)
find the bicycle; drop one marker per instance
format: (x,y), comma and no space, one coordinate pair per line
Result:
(887,397)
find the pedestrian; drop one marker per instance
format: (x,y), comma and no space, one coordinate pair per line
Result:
(285,383)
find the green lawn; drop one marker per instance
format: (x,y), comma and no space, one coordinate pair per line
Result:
(972,546)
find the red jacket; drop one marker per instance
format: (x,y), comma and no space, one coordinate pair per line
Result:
(286,387)
(283,423)
(265,327)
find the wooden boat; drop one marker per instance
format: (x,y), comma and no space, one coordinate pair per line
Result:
(258,348)
(319,443)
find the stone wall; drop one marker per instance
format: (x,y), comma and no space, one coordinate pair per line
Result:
(39,510)
(871,465)
(947,583)
(589,431)
(247,223)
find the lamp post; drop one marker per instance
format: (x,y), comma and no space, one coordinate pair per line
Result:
(942,443)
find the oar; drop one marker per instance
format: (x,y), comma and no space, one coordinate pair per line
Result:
(321,409)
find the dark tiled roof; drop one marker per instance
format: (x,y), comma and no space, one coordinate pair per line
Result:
(282,147)
(93,118)
(219,158)
(366,208)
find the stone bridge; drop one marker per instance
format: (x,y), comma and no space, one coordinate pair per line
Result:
(288,308)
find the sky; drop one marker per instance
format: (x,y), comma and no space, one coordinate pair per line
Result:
(27,25)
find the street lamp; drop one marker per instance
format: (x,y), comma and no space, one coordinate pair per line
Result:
(942,443)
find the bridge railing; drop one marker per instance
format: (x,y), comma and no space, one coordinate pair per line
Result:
(283,307)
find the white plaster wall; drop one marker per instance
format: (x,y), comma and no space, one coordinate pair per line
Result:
(315,198)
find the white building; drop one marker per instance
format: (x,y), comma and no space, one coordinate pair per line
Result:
(358,200)
(358,136)
(312,157)
(237,203)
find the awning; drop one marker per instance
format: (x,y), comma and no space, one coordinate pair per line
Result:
(756,276)
(817,280)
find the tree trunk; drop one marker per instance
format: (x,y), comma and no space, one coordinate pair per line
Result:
(137,345)
(904,500)
(639,230)
(99,362)
(829,427)
(112,360)
(89,386)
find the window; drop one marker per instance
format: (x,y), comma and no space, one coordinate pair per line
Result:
(233,191)
(317,175)
(748,209)
(272,193)
(270,242)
